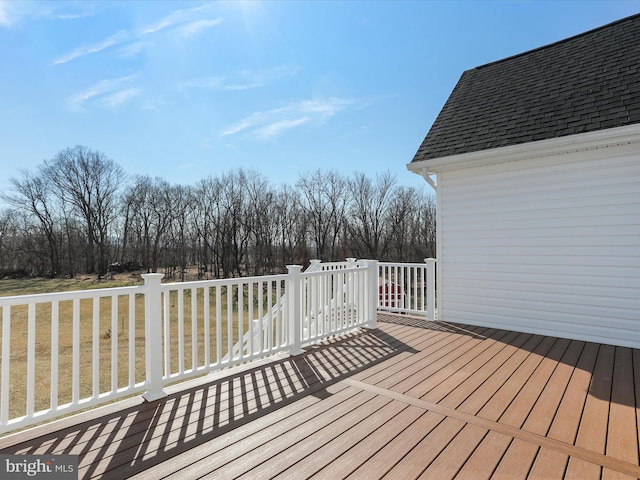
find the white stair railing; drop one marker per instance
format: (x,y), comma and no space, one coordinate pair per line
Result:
(260,326)
(260,332)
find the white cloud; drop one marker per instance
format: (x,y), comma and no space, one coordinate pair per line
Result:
(155,104)
(73,16)
(12,12)
(115,100)
(326,108)
(189,20)
(244,80)
(5,17)
(174,18)
(264,125)
(77,10)
(107,91)
(196,27)
(81,51)
(251,121)
(132,49)
(275,128)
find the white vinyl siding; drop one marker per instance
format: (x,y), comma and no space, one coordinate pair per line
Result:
(545,245)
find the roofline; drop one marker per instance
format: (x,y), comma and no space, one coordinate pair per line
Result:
(598,139)
(564,40)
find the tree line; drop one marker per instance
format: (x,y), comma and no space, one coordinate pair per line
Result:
(80,213)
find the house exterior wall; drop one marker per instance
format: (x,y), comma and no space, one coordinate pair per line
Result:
(548,245)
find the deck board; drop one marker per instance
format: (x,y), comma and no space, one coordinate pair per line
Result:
(592,432)
(551,464)
(364,450)
(455,455)
(271,456)
(310,456)
(457,385)
(493,379)
(411,399)
(454,370)
(241,441)
(622,433)
(412,370)
(416,461)
(486,457)
(520,455)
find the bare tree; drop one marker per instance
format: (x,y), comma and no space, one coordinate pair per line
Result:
(181,234)
(427,225)
(206,210)
(6,230)
(89,182)
(291,224)
(370,215)
(72,218)
(259,221)
(33,196)
(413,222)
(233,227)
(149,209)
(324,201)
(12,244)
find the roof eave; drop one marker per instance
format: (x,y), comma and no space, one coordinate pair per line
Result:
(543,148)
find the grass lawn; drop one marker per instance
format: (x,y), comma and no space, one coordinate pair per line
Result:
(9,287)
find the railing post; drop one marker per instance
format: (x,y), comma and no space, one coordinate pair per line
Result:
(153,336)
(431,288)
(294,285)
(314,265)
(352,295)
(371,293)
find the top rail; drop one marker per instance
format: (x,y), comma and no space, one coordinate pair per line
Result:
(221,281)
(61,296)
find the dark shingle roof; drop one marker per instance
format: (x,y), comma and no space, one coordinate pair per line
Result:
(584,83)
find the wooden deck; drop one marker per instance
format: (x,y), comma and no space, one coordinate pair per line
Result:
(409,400)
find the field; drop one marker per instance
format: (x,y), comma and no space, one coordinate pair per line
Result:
(29,286)
(115,330)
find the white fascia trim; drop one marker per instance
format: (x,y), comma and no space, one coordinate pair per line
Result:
(606,138)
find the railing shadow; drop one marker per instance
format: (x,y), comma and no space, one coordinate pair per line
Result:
(417,322)
(130,441)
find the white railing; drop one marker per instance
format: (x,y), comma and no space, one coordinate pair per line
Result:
(329,295)
(338,299)
(258,332)
(85,341)
(62,352)
(317,265)
(402,287)
(204,322)
(408,288)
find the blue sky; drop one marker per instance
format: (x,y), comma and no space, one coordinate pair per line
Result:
(183,90)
